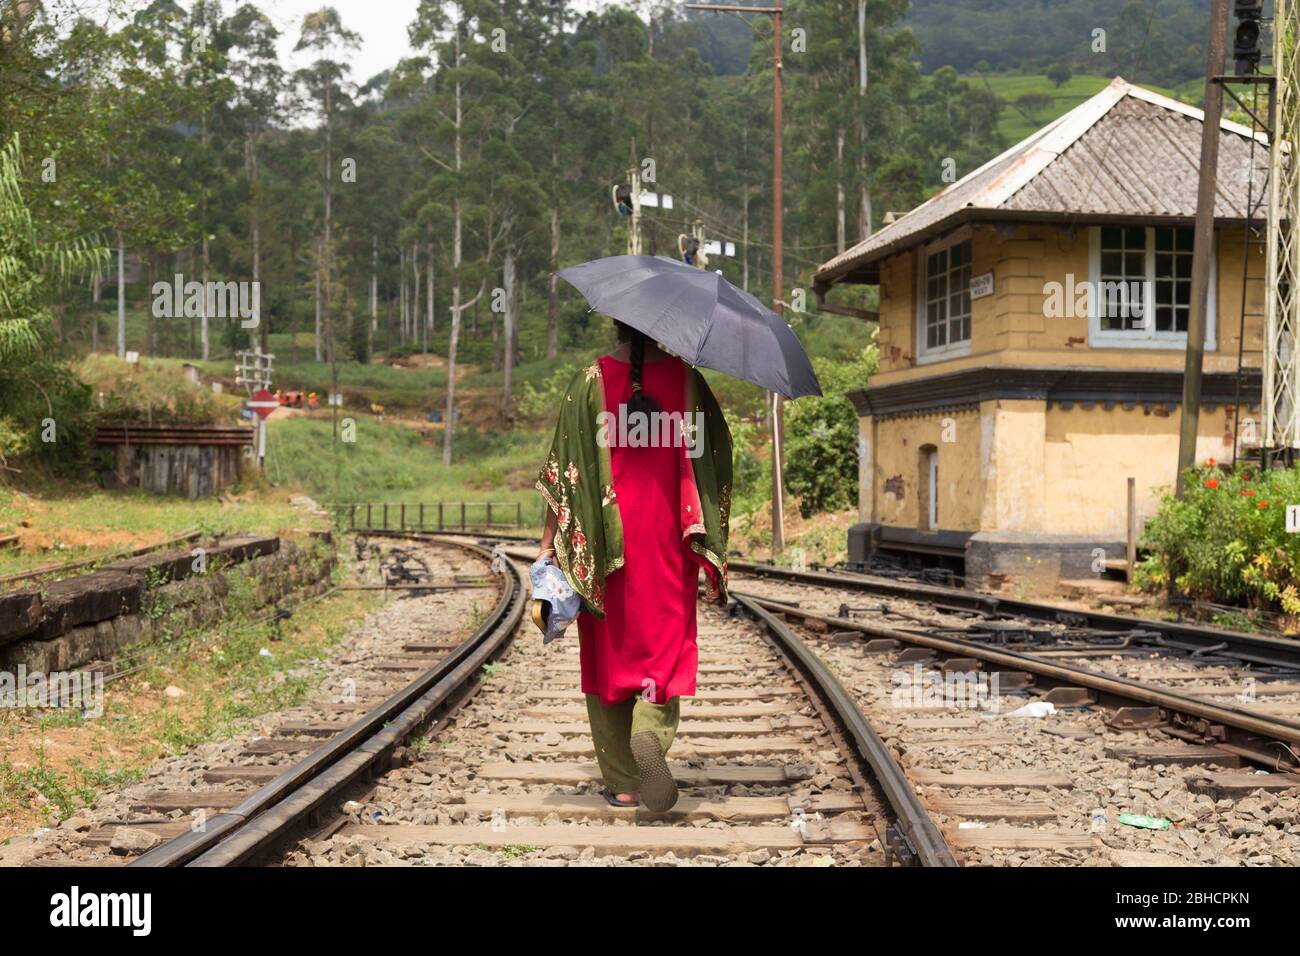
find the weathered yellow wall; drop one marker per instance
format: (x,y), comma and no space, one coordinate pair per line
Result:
(1009,327)
(1232,250)
(1024,259)
(1016,466)
(897,335)
(896,445)
(1091,454)
(1011,450)
(866,468)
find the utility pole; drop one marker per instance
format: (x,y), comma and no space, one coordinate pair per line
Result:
(778,281)
(775,401)
(1203,246)
(634,234)
(1281,435)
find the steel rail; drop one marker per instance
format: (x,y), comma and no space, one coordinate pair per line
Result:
(254,825)
(913,823)
(1271,741)
(921,835)
(47,569)
(1255,648)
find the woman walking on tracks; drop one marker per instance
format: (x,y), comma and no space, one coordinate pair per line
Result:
(638,483)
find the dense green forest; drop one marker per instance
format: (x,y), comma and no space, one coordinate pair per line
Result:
(426,208)
(1149,41)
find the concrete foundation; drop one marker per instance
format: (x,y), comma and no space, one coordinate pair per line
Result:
(992,558)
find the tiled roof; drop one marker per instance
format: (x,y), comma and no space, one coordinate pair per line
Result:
(1125,152)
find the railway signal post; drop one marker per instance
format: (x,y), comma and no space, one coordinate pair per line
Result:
(254,372)
(775,401)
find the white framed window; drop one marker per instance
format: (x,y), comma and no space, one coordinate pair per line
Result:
(943,315)
(1141,285)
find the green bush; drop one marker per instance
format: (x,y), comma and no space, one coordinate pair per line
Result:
(821,466)
(751,473)
(1226,541)
(44,410)
(821,462)
(541,403)
(152,390)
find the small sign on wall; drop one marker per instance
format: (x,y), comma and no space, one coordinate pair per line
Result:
(981,285)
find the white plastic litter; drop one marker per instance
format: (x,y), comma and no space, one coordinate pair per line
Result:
(551,587)
(1039,708)
(972,825)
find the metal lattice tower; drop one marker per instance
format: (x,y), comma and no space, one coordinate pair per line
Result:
(1281,398)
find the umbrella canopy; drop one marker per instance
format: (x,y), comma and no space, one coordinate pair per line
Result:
(699,316)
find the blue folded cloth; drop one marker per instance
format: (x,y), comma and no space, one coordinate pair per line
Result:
(552,587)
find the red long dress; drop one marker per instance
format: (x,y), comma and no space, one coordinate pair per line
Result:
(646,643)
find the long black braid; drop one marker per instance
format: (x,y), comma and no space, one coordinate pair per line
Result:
(640,401)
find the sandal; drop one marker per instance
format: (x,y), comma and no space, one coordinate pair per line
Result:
(658,788)
(612,799)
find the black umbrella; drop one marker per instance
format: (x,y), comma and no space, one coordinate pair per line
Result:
(698,316)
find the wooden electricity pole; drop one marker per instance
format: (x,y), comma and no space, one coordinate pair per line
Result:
(1203,247)
(775,401)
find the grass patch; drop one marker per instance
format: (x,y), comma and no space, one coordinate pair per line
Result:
(510,851)
(71,522)
(50,765)
(1008,87)
(153,390)
(392,463)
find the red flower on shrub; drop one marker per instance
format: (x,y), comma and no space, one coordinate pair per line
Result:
(1247,493)
(1209,462)
(1212,483)
(1263,504)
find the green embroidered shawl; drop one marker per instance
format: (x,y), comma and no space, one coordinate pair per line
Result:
(577,484)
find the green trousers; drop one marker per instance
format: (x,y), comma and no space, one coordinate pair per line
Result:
(612,729)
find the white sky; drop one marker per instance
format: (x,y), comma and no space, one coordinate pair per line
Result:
(381,23)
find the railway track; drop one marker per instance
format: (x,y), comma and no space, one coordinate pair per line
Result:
(1175,637)
(1243,684)
(474,748)
(771,772)
(775,766)
(227,801)
(816,738)
(1143,720)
